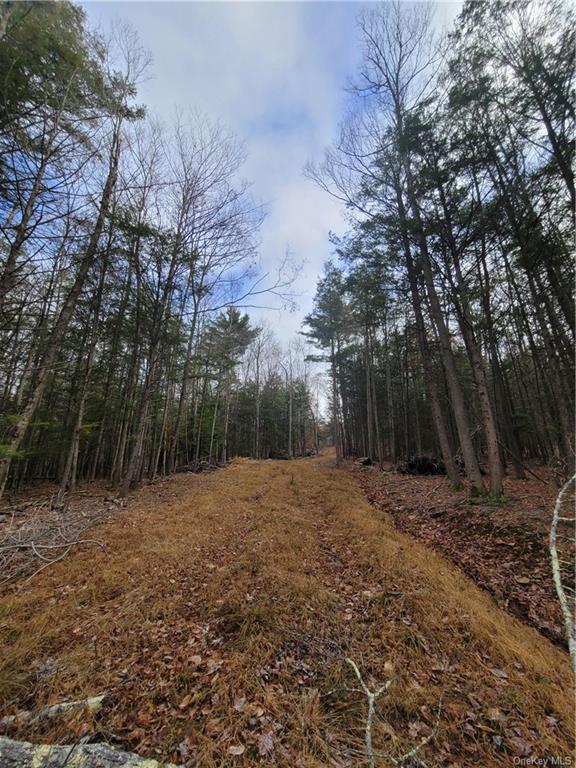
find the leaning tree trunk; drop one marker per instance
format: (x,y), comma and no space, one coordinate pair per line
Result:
(425,354)
(68,480)
(461,305)
(480,380)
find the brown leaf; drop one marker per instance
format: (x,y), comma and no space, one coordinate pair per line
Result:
(265,744)
(520,746)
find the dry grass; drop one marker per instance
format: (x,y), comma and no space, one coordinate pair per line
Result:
(215,617)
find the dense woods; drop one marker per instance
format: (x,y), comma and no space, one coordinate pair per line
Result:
(403,593)
(446,315)
(128,252)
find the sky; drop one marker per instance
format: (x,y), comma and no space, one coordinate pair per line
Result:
(275,74)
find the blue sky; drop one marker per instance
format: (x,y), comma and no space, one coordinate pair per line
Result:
(274,73)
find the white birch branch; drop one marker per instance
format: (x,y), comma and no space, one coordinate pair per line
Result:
(567,613)
(371,697)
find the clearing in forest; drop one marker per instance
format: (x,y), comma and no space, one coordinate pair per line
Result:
(219,618)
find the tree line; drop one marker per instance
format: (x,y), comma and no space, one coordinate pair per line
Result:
(128,250)
(446,316)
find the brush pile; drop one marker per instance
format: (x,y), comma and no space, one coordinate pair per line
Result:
(38,534)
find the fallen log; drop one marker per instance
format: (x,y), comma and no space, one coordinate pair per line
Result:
(53,710)
(23,754)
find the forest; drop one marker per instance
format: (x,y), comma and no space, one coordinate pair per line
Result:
(129,252)
(447,318)
(220,546)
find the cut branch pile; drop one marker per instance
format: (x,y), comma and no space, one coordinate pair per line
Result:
(35,537)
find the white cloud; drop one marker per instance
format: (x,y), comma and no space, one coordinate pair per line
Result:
(274,73)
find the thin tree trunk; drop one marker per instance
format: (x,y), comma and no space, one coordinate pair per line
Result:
(431,380)
(53,347)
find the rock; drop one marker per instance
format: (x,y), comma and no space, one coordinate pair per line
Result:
(23,754)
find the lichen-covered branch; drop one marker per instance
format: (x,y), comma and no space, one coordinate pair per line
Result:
(371,697)
(567,613)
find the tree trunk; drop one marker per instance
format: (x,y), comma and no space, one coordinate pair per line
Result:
(335,409)
(53,346)
(213,430)
(456,395)
(183,390)
(431,380)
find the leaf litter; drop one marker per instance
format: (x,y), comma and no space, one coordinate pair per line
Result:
(218,620)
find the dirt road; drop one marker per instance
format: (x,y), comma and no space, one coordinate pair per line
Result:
(220,617)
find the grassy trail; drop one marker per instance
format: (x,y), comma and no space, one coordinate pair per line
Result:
(219,616)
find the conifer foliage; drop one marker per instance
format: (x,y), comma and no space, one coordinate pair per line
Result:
(448,320)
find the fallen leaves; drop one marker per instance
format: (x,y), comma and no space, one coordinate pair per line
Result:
(503,549)
(266,743)
(193,684)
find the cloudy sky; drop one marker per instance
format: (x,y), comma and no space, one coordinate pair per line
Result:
(274,73)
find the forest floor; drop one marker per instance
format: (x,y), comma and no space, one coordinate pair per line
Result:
(219,617)
(502,547)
